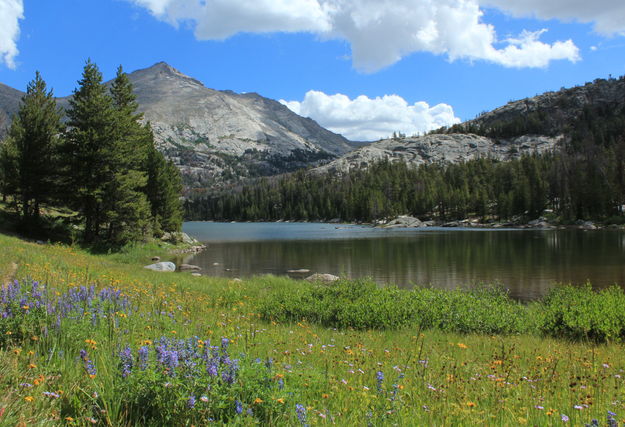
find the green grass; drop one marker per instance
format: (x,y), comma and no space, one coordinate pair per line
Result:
(445,356)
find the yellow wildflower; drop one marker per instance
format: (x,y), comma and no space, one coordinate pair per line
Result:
(29,398)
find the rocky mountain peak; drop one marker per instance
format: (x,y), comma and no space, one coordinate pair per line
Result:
(161,73)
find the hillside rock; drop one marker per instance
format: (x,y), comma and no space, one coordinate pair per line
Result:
(437,148)
(405,221)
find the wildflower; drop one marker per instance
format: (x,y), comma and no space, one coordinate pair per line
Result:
(143,358)
(280,400)
(32,366)
(380,378)
(191,402)
(258,400)
(300,410)
(540,408)
(70,419)
(51,394)
(462,346)
(29,398)
(26,385)
(564,418)
(204,398)
(471,404)
(126,361)
(238,407)
(325,395)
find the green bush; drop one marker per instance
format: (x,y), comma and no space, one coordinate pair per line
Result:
(581,313)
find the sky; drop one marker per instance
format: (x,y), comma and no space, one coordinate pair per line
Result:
(362,68)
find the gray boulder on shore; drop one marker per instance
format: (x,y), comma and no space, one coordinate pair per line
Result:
(162,266)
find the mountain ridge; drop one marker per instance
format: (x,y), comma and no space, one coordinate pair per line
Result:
(216,137)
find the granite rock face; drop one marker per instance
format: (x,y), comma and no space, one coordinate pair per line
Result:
(437,148)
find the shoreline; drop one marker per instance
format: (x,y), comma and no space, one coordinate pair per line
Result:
(469,223)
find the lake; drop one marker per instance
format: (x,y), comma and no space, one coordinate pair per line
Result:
(526,262)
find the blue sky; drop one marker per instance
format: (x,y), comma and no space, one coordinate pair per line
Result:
(469,55)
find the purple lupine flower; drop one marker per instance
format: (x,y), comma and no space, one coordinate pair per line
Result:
(126,361)
(171,360)
(380,378)
(564,418)
(212,369)
(611,418)
(280,384)
(143,357)
(191,402)
(88,364)
(238,407)
(300,410)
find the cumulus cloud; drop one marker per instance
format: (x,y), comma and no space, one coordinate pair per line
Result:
(366,119)
(608,16)
(11,11)
(380,32)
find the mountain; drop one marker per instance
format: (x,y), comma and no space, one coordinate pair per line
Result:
(532,125)
(9,104)
(217,137)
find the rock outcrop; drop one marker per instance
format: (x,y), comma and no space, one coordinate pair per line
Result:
(437,148)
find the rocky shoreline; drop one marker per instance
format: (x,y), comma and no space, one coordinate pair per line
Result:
(542,223)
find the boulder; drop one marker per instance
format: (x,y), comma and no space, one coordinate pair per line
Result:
(587,225)
(196,274)
(162,266)
(189,267)
(324,278)
(405,221)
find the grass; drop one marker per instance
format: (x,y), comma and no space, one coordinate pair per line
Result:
(335,359)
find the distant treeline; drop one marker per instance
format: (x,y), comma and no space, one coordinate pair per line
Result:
(101,164)
(584,180)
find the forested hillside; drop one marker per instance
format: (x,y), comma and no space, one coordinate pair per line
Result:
(584,178)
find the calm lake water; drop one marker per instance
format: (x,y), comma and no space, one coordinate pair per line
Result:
(527,262)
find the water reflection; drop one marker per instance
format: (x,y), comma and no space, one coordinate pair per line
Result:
(528,263)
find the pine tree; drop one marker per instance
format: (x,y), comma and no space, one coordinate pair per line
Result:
(164,191)
(89,147)
(127,210)
(29,157)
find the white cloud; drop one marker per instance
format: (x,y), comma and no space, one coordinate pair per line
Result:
(608,16)
(381,32)
(366,119)
(11,11)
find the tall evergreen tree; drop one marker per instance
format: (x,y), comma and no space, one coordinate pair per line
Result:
(164,190)
(127,210)
(89,147)
(30,153)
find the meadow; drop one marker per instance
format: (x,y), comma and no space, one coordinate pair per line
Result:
(97,340)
